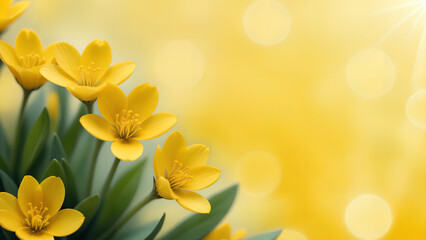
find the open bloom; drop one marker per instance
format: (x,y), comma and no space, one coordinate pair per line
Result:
(179,170)
(9,12)
(223,232)
(26,59)
(36,214)
(85,76)
(127,120)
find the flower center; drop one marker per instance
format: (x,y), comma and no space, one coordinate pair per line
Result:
(36,217)
(31,60)
(178,175)
(127,124)
(88,75)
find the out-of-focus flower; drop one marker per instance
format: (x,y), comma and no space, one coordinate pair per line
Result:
(52,105)
(36,214)
(223,232)
(85,76)
(26,59)
(179,170)
(127,120)
(9,12)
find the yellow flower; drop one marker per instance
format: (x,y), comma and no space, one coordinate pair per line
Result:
(26,59)
(224,233)
(53,105)
(85,76)
(36,214)
(179,168)
(9,12)
(127,120)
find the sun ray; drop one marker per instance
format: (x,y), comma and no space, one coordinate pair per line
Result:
(399,7)
(419,17)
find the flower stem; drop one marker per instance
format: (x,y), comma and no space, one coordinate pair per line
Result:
(109,179)
(15,160)
(89,106)
(98,147)
(152,196)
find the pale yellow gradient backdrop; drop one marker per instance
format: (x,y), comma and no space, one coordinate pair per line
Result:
(303,101)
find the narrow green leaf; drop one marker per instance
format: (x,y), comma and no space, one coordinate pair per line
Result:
(71,135)
(57,151)
(71,197)
(55,169)
(35,141)
(198,226)
(4,146)
(271,235)
(120,196)
(3,165)
(88,207)
(148,231)
(8,184)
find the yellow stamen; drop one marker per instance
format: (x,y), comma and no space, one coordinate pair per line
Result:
(178,175)
(31,60)
(36,217)
(127,124)
(88,75)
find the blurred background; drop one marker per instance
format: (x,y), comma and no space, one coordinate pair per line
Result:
(315,106)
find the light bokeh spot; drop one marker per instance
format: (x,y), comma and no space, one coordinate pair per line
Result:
(267,22)
(371,73)
(291,235)
(416,109)
(180,64)
(368,217)
(259,173)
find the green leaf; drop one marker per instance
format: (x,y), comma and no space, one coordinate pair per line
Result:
(55,169)
(198,226)
(57,151)
(88,207)
(71,197)
(71,135)
(120,196)
(3,165)
(271,235)
(4,146)
(8,184)
(35,141)
(148,231)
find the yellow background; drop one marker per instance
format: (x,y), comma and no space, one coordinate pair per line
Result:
(281,119)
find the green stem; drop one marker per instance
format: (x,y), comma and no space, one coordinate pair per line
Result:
(98,147)
(109,179)
(152,196)
(89,106)
(15,160)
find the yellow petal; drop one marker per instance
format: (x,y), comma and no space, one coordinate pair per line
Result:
(5,4)
(239,235)
(53,194)
(27,42)
(111,101)
(159,163)
(68,58)
(10,203)
(192,201)
(10,220)
(26,233)
(174,143)
(156,125)
(7,54)
(56,75)
(203,176)
(222,232)
(163,188)
(85,93)
(14,12)
(31,78)
(197,155)
(29,192)
(127,150)
(98,127)
(97,54)
(143,100)
(118,73)
(49,53)
(64,223)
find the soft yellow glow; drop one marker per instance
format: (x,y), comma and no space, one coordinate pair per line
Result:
(370,73)
(179,64)
(416,109)
(291,235)
(267,22)
(259,173)
(368,217)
